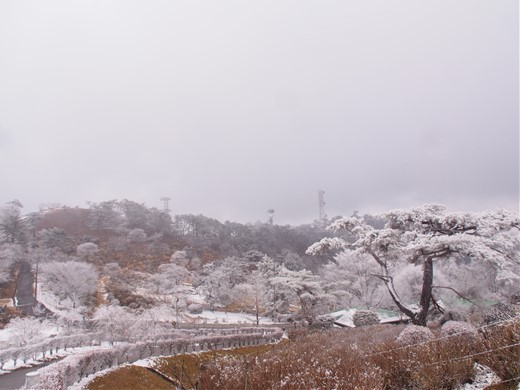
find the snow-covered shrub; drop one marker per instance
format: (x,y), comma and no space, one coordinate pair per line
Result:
(136,235)
(86,249)
(514,298)
(180,258)
(414,334)
(499,312)
(51,377)
(364,318)
(452,315)
(195,263)
(463,329)
(195,308)
(117,243)
(323,322)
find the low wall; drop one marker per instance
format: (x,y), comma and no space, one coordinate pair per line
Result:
(73,368)
(49,347)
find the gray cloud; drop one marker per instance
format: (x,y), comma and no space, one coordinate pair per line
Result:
(232,108)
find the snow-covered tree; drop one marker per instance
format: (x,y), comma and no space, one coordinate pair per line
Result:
(70,279)
(105,215)
(219,279)
(253,256)
(12,229)
(277,299)
(350,279)
(426,235)
(252,295)
(86,250)
(136,235)
(115,322)
(23,331)
(408,280)
(9,255)
(291,260)
(136,214)
(169,282)
(55,238)
(154,321)
(305,288)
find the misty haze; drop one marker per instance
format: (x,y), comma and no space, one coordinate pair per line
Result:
(260,195)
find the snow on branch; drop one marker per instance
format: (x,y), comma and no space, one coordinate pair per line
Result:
(327,244)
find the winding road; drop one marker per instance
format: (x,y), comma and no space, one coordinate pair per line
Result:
(16,379)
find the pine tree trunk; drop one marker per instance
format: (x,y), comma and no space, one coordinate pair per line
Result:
(426,292)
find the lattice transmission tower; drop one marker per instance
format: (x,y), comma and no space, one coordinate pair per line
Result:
(322,217)
(270,219)
(166,207)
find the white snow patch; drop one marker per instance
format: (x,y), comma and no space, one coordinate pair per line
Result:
(221,317)
(345,317)
(5,335)
(484,377)
(143,363)
(196,298)
(63,308)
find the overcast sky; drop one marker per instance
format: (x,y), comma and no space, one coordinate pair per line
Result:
(234,107)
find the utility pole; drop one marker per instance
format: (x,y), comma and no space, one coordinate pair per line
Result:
(36,279)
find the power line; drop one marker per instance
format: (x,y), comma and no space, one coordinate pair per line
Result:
(475,354)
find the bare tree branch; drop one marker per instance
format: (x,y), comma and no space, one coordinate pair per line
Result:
(458,293)
(436,305)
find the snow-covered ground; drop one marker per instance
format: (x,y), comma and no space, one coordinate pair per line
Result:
(220,317)
(484,377)
(45,330)
(64,308)
(5,336)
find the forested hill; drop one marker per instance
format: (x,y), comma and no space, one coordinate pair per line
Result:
(131,233)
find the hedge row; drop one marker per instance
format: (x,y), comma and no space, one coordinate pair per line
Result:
(75,367)
(48,347)
(51,346)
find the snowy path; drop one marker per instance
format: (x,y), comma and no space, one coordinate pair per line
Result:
(24,294)
(24,290)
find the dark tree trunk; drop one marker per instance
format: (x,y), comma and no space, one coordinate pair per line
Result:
(426,292)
